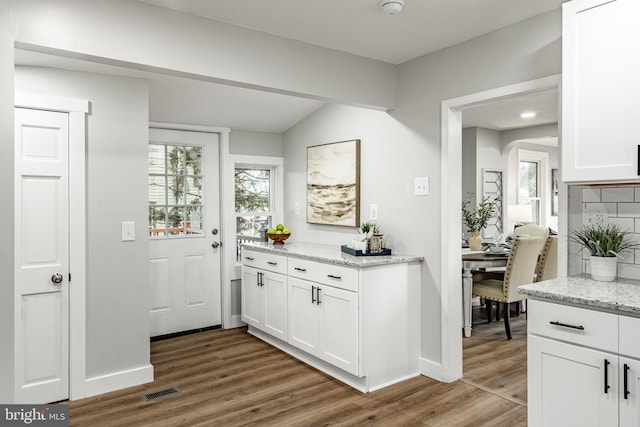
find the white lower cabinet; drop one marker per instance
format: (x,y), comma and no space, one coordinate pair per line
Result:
(264,301)
(576,374)
(323,321)
(357,324)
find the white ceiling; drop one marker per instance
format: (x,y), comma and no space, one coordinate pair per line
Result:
(361,28)
(354,26)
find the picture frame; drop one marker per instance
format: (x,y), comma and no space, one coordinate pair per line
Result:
(333,183)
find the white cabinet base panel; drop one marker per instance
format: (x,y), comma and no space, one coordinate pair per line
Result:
(362,384)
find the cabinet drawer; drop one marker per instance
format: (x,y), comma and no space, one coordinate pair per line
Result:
(572,324)
(328,274)
(630,336)
(265,261)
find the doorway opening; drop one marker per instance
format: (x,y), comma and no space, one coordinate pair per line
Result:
(451,197)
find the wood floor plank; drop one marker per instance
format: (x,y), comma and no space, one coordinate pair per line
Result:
(230,378)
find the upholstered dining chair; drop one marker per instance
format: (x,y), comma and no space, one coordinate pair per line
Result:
(520,270)
(531,230)
(547,267)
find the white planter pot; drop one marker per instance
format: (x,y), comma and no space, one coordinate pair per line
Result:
(604,269)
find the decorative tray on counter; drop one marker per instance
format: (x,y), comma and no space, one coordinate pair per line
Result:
(357,252)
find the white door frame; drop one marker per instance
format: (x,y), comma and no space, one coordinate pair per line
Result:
(450,199)
(225,274)
(77,109)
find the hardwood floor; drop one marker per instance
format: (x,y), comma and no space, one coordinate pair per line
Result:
(229,378)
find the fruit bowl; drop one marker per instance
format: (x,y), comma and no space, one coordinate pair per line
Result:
(278,239)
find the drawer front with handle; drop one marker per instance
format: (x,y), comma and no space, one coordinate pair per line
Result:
(327,274)
(580,326)
(265,261)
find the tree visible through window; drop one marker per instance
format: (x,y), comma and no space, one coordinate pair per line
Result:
(175,190)
(253,200)
(254,204)
(528,187)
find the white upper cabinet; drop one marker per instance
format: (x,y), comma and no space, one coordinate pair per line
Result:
(601,90)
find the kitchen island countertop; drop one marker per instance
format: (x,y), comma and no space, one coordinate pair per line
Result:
(622,295)
(330,254)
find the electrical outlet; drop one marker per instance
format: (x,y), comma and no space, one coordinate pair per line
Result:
(373,213)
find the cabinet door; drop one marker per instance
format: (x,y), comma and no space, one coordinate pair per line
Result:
(339,327)
(252,298)
(303,316)
(275,304)
(567,385)
(629,401)
(601,90)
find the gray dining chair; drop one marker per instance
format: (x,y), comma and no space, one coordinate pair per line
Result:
(520,270)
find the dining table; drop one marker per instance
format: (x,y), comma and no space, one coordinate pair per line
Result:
(476,260)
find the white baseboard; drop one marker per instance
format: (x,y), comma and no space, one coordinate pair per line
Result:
(118,380)
(235,322)
(435,370)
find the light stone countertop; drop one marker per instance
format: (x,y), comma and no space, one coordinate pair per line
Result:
(622,295)
(331,254)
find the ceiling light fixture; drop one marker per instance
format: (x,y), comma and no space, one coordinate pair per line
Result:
(391,7)
(528,115)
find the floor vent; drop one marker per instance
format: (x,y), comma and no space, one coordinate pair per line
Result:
(161,393)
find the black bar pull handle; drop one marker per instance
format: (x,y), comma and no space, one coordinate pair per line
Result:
(331,276)
(313,296)
(606,376)
(300,269)
(318,295)
(638,164)
(565,325)
(272,263)
(626,381)
(258,278)
(249,258)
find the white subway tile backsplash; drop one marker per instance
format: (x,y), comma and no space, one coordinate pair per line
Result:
(590,194)
(629,210)
(614,205)
(625,224)
(618,194)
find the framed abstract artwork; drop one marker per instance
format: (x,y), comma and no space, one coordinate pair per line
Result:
(333,183)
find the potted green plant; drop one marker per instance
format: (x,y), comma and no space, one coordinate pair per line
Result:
(604,243)
(475,219)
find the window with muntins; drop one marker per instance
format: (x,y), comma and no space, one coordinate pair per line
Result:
(176,203)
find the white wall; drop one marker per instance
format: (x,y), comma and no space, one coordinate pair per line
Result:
(522,52)
(6,195)
(176,43)
(117,288)
(255,143)
(390,158)
(469,163)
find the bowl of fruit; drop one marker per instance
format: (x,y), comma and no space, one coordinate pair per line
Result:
(279,234)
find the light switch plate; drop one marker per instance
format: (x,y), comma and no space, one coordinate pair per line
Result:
(373,213)
(128,231)
(421,186)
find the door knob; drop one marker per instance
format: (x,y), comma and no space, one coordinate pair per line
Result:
(214,231)
(215,245)
(56,278)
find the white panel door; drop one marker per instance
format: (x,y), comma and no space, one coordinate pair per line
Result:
(629,392)
(41,256)
(304,316)
(339,327)
(567,385)
(184,265)
(252,297)
(275,304)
